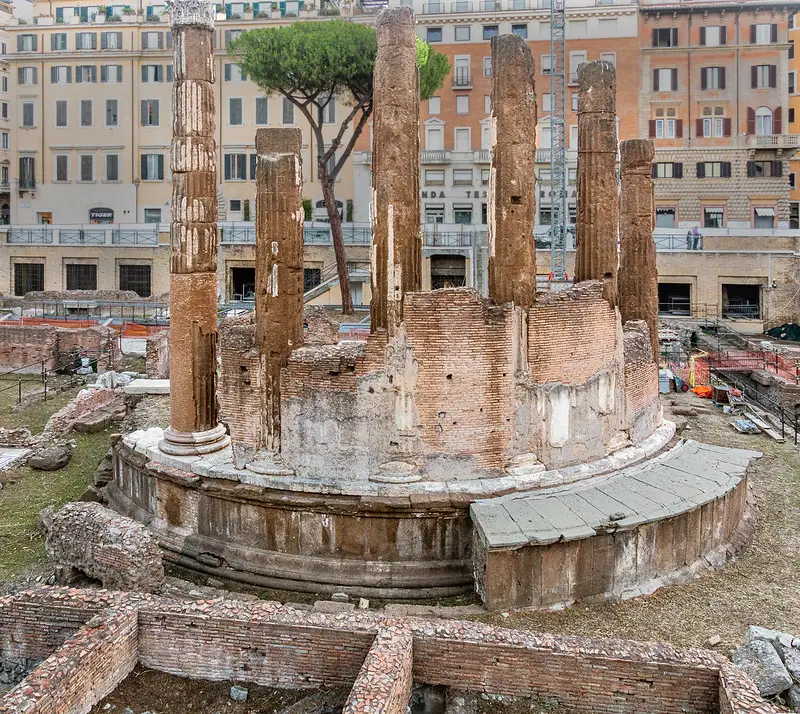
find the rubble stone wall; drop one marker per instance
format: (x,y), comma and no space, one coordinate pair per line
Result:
(465,385)
(113,549)
(239,391)
(157,355)
(271,644)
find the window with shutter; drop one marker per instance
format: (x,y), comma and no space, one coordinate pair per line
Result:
(701,169)
(27,114)
(287,115)
(679,128)
(235,111)
(227,167)
(262,111)
(61,113)
(86,112)
(62,167)
(252,167)
(777,123)
(170,74)
(112,117)
(87,167)
(112,167)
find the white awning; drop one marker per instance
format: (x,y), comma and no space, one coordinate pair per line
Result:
(765,212)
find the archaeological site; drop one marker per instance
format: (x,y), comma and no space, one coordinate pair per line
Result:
(513,447)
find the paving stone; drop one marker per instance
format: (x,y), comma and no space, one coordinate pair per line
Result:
(681,480)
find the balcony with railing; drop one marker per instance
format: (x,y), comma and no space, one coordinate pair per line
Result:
(433,8)
(482,156)
(462,78)
(434,156)
(774,141)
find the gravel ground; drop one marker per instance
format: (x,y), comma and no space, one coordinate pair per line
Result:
(761,588)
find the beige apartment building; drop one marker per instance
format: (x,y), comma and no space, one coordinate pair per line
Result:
(708,80)
(92,118)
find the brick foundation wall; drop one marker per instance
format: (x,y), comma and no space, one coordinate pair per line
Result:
(157,355)
(86,668)
(240,384)
(27,347)
(464,353)
(572,335)
(386,675)
(272,644)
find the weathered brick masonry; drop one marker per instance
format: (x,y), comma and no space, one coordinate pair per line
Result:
(29,346)
(275,645)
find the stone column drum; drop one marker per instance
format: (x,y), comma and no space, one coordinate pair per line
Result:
(638,277)
(598,197)
(194,426)
(512,191)
(396,240)
(279,265)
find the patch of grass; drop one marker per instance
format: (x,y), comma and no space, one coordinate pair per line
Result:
(28,491)
(34,416)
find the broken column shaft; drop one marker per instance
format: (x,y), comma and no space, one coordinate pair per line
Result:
(396,243)
(279,265)
(598,198)
(512,196)
(638,278)
(194,426)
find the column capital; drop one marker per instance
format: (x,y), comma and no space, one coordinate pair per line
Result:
(198,13)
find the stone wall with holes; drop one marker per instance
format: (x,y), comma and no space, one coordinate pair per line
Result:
(464,388)
(643,406)
(239,389)
(275,645)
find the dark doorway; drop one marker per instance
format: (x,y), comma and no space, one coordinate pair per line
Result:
(742,301)
(674,298)
(243,283)
(448,271)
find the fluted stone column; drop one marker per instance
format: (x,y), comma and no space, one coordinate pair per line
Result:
(279,265)
(598,198)
(638,277)
(396,240)
(194,425)
(512,195)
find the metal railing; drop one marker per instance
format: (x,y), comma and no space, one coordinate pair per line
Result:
(134,237)
(39,234)
(483,156)
(433,8)
(462,77)
(80,236)
(678,241)
(449,239)
(434,156)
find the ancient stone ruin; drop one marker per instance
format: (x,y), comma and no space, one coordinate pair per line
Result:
(513,444)
(89,540)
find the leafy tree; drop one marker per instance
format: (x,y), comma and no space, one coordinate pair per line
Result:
(312,64)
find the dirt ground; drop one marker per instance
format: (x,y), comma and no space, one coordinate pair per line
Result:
(761,588)
(159,693)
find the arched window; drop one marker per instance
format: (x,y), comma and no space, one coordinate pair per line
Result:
(763,121)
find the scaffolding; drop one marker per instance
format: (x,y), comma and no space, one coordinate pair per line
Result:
(558,141)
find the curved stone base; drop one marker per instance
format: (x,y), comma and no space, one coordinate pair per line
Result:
(624,535)
(406,541)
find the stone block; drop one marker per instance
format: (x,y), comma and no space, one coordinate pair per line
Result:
(760,661)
